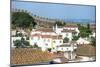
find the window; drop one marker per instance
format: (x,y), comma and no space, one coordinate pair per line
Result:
(74,33)
(46,44)
(66,48)
(57,46)
(53,41)
(60,41)
(61,48)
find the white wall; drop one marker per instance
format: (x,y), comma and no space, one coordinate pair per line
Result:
(41,42)
(68,48)
(47,42)
(58,43)
(67,34)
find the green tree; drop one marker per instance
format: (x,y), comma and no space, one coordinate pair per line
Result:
(66,40)
(88,29)
(75,38)
(18,34)
(88,26)
(17,43)
(93,41)
(21,43)
(49,49)
(35,46)
(22,20)
(84,31)
(24,42)
(83,34)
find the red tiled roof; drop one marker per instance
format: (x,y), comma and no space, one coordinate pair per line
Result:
(23,56)
(53,37)
(46,36)
(45,30)
(36,35)
(57,37)
(65,30)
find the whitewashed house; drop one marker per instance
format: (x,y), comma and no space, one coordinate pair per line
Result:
(52,37)
(67,33)
(72,27)
(68,49)
(46,41)
(45,38)
(82,41)
(56,41)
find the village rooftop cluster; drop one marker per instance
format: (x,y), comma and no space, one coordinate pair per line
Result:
(52,35)
(54,39)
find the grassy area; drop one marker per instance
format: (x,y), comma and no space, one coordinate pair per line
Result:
(86,50)
(29,56)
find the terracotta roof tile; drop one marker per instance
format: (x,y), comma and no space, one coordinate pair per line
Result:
(45,30)
(57,37)
(46,36)
(65,30)
(36,35)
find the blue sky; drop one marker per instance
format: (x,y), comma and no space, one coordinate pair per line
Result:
(57,11)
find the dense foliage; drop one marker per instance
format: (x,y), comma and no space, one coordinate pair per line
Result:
(36,46)
(75,38)
(93,41)
(21,43)
(66,40)
(49,49)
(22,20)
(84,30)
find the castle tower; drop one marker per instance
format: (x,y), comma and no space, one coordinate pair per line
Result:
(56,29)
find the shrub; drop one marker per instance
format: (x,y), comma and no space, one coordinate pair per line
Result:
(66,40)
